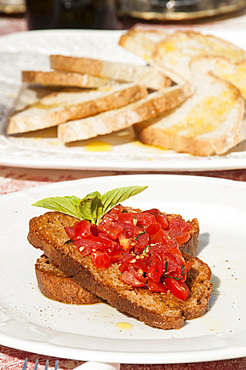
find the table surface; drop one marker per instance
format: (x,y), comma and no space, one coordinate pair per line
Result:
(15,179)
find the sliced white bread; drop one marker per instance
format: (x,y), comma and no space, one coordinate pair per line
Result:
(61,106)
(141,41)
(177,49)
(210,122)
(224,68)
(115,120)
(149,76)
(63,78)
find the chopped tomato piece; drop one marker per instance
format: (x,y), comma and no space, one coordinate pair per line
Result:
(141,263)
(100,259)
(70,232)
(114,251)
(162,220)
(82,229)
(155,269)
(129,278)
(154,211)
(112,229)
(124,260)
(138,273)
(93,243)
(145,219)
(131,231)
(141,242)
(178,288)
(183,238)
(153,228)
(156,287)
(125,217)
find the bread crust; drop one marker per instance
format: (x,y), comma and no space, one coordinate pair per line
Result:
(51,112)
(149,77)
(155,309)
(63,78)
(54,284)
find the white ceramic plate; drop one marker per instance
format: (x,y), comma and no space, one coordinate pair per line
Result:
(30,321)
(119,151)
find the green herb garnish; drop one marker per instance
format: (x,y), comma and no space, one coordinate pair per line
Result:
(93,206)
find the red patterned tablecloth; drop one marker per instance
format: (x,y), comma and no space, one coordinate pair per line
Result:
(15,179)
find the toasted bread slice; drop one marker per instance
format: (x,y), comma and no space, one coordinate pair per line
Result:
(63,78)
(235,72)
(210,122)
(149,76)
(177,49)
(61,106)
(118,119)
(141,41)
(59,287)
(155,309)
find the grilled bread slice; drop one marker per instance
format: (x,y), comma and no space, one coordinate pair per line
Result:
(59,287)
(224,68)
(63,106)
(141,41)
(210,122)
(155,309)
(177,49)
(149,76)
(118,119)
(63,78)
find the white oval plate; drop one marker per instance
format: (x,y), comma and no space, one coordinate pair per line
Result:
(42,149)
(32,322)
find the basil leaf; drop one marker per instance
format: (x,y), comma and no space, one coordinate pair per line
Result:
(89,206)
(116,196)
(93,206)
(67,204)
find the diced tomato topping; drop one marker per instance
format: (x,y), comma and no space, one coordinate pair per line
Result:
(145,219)
(70,232)
(145,245)
(155,269)
(183,238)
(125,242)
(153,228)
(124,261)
(100,259)
(125,217)
(138,273)
(129,278)
(163,221)
(156,286)
(141,242)
(112,229)
(178,288)
(82,229)
(154,211)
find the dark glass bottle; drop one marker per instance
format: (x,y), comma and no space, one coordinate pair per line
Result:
(78,14)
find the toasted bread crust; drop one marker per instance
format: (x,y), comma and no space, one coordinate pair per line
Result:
(50,113)
(158,310)
(149,76)
(63,78)
(55,285)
